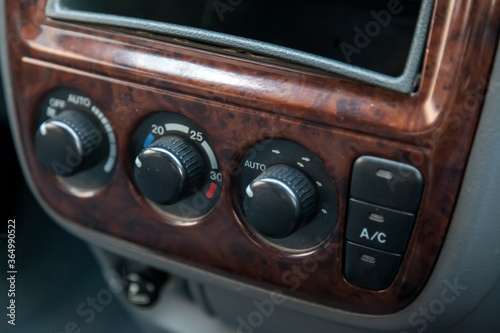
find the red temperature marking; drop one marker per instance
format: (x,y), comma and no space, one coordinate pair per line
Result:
(211,191)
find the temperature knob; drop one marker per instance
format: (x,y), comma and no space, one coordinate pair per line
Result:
(68,143)
(168,169)
(279,200)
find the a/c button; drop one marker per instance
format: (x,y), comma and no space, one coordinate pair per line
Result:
(378,227)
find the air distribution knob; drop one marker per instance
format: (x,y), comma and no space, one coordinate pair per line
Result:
(68,143)
(279,200)
(168,169)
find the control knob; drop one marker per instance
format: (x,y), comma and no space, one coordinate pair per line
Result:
(69,143)
(279,200)
(168,169)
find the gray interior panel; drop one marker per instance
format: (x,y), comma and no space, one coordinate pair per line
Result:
(175,311)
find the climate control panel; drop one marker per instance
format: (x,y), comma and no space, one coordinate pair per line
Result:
(241,192)
(283,194)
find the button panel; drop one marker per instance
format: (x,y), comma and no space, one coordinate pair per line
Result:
(384,199)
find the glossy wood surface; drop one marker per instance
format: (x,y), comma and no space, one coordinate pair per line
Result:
(239,102)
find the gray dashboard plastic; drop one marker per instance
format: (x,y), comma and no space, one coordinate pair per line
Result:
(470,256)
(403,83)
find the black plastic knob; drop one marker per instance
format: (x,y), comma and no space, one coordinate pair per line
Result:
(168,169)
(279,200)
(66,143)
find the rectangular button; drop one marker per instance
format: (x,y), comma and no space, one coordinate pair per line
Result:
(369,268)
(386,183)
(378,227)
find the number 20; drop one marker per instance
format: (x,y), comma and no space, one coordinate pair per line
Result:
(157,129)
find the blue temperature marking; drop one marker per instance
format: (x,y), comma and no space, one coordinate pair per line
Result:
(148,141)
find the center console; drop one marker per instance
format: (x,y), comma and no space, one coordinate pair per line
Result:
(252,155)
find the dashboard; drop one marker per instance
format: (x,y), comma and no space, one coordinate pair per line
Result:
(288,179)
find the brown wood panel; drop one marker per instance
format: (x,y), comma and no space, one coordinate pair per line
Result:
(234,100)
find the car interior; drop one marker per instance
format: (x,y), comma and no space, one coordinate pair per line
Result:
(250,166)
